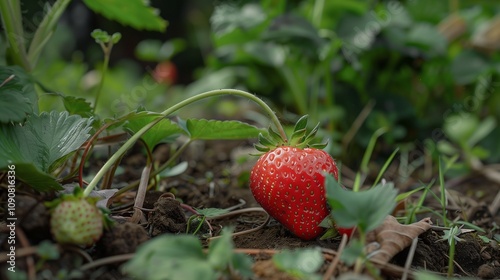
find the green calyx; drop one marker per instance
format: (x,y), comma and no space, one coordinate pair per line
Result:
(76,195)
(300,138)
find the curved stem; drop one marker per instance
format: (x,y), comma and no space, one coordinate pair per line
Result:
(156,171)
(171,110)
(107,54)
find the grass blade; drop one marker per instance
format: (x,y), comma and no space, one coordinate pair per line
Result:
(385,166)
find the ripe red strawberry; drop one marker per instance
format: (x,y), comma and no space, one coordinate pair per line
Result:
(75,220)
(288,181)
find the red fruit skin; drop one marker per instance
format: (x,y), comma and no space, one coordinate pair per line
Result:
(347,231)
(166,73)
(288,183)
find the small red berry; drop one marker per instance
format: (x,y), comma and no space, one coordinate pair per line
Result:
(166,73)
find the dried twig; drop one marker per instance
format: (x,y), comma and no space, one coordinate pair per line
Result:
(333,265)
(241,211)
(409,259)
(138,216)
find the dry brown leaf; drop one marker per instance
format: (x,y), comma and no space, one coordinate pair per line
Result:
(452,27)
(392,237)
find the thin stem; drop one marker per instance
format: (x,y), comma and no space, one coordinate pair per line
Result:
(107,54)
(451,258)
(171,110)
(10,11)
(360,260)
(442,189)
(157,170)
(318,12)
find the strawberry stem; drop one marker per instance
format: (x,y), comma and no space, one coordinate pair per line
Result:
(171,110)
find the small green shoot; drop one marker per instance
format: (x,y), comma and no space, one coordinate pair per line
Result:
(106,42)
(195,222)
(451,236)
(443,198)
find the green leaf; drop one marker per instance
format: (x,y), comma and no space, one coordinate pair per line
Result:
(18,98)
(452,235)
(135,13)
(261,148)
(242,264)
(175,170)
(485,239)
(220,130)
(37,179)
(424,275)
(300,263)
(275,135)
(385,166)
(294,31)
(41,143)
(485,127)
(265,141)
(211,212)
(155,50)
(100,36)
(266,53)
(220,251)
(461,127)
(227,18)
(115,38)
(59,135)
(74,105)
(468,66)
(158,133)
(77,106)
(170,257)
(407,194)
(48,250)
(428,38)
(470,226)
(301,124)
(43,139)
(352,252)
(364,209)
(13,106)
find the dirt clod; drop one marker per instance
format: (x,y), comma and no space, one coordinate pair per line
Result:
(167,217)
(122,239)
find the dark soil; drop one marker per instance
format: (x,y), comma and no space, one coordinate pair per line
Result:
(215,180)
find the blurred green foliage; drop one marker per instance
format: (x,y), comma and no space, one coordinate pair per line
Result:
(419,62)
(355,66)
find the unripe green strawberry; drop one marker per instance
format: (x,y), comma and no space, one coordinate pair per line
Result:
(76,221)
